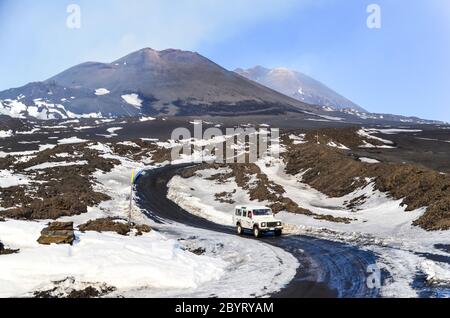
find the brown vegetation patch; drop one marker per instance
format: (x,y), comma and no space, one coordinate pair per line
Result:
(113,225)
(144,150)
(57,191)
(336,173)
(225,197)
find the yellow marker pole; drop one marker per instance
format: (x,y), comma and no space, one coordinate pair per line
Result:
(132,176)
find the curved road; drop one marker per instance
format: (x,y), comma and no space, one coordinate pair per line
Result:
(329,269)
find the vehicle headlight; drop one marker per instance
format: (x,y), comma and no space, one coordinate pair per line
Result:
(279,223)
(263,224)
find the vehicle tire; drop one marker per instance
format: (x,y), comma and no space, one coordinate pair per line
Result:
(239,229)
(278,232)
(256,232)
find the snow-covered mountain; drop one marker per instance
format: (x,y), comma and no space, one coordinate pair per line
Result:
(180,83)
(298,86)
(169,82)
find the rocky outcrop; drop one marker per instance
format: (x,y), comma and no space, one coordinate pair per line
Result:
(57,233)
(6,251)
(70,288)
(337,173)
(113,225)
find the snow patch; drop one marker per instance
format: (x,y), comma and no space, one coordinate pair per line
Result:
(368,160)
(6,133)
(71,140)
(142,119)
(133,99)
(337,145)
(47,165)
(9,178)
(125,262)
(101,91)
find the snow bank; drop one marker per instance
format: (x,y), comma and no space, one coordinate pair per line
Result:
(257,270)
(125,262)
(10,179)
(151,262)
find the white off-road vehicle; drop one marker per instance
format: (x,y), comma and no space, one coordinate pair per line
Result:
(259,219)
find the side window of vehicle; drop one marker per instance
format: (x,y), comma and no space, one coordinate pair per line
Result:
(238,212)
(244,214)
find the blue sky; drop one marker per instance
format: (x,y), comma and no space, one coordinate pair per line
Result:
(402,68)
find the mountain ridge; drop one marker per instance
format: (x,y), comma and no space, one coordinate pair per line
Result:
(164,83)
(167,82)
(299,86)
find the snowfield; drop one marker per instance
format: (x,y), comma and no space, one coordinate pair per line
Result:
(162,263)
(257,270)
(125,262)
(152,261)
(380,224)
(157,264)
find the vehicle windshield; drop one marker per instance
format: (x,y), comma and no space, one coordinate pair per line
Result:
(262,212)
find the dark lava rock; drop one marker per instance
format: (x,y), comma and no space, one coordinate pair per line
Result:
(6,251)
(198,251)
(106,225)
(57,233)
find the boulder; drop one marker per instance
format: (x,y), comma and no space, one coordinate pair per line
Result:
(6,251)
(57,233)
(111,224)
(142,228)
